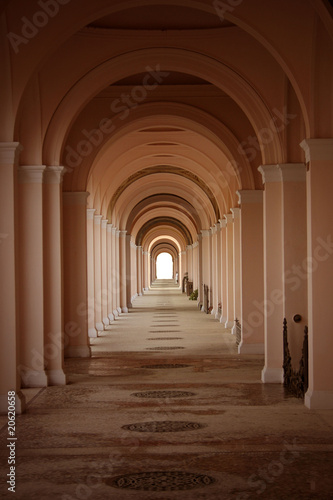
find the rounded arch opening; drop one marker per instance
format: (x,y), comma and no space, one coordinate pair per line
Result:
(164,266)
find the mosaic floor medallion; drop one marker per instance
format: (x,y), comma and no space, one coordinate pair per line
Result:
(163,394)
(164,426)
(165,366)
(161,481)
(163,348)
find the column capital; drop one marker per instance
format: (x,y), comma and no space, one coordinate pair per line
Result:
(109,227)
(195,244)
(270,173)
(98,219)
(132,244)
(223,223)
(54,175)
(90,213)
(113,230)
(117,233)
(104,223)
(229,218)
(205,232)
(75,197)
(31,174)
(145,253)
(250,196)
(189,247)
(123,233)
(293,172)
(9,153)
(235,212)
(213,229)
(318,149)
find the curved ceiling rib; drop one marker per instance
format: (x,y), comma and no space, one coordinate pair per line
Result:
(158,221)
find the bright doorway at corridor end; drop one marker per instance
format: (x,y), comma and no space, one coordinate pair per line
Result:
(164,266)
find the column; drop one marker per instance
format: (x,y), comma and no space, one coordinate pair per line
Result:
(215,302)
(219,271)
(118,270)
(294,244)
(200,272)
(31,280)
(182,267)
(114,270)
(145,271)
(133,275)
(319,156)
(99,325)
(53,286)
(9,326)
(272,307)
(205,262)
(123,278)
(139,270)
(76,339)
(224,286)
(252,272)
(92,332)
(104,273)
(236,266)
(195,275)
(109,272)
(229,271)
(189,250)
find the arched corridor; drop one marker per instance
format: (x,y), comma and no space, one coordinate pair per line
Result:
(166,390)
(203,130)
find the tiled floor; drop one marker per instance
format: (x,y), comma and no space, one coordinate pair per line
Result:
(139,421)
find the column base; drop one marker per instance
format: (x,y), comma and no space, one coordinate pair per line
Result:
(119,310)
(111,317)
(140,294)
(229,324)
(251,348)
(78,351)
(34,378)
(124,309)
(223,320)
(115,313)
(233,330)
(92,333)
(272,375)
(319,400)
(106,322)
(20,404)
(218,316)
(213,312)
(99,327)
(56,377)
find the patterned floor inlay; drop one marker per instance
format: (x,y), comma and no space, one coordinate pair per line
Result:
(163,394)
(165,338)
(164,426)
(163,348)
(166,366)
(161,481)
(164,331)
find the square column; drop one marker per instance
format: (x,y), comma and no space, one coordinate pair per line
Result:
(252,272)
(319,156)
(145,271)
(295,272)
(139,270)
(214,271)
(218,271)
(31,284)
(99,325)
(224,275)
(189,260)
(205,263)
(236,266)
(92,332)
(195,273)
(109,272)
(104,269)
(118,271)
(230,271)
(53,283)
(123,276)
(75,275)
(9,325)
(133,275)
(114,271)
(272,306)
